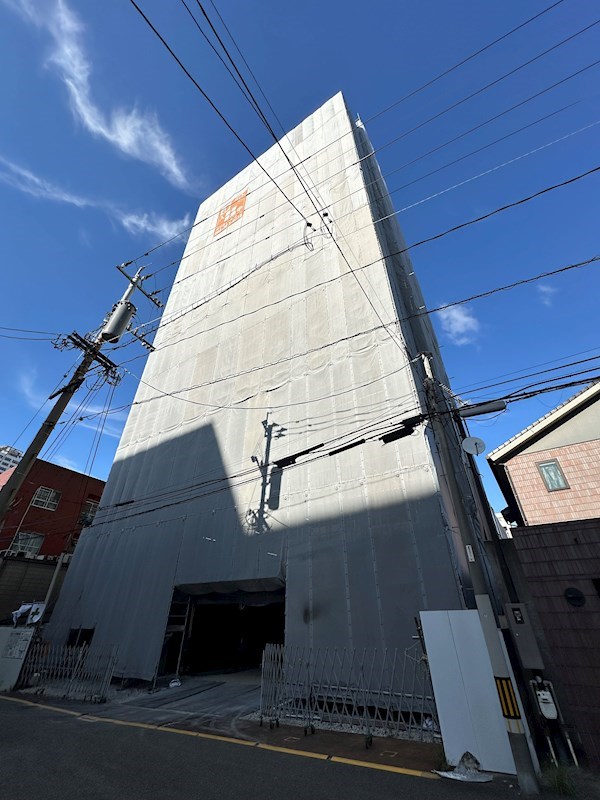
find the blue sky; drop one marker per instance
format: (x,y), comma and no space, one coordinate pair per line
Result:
(106,149)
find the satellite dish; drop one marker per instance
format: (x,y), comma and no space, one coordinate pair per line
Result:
(473,445)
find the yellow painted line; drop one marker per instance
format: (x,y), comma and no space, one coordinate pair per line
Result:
(229,739)
(41,705)
(385,767)
(217,738)
(127,723)
(212,736)
(307,753)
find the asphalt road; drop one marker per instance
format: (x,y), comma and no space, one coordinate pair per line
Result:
(55,756)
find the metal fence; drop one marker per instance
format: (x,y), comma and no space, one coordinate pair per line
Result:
(77,673)
(385,693)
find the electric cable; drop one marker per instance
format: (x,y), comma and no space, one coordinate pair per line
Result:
(406,164)
(399,344)
(27,330)
(453,229)
(462,62)
(229,480)
(424,312)
(337,439)
(525,369)
(27,338)
(212,104)
(401,136)
(493,83)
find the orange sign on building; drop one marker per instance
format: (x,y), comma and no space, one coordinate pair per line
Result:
(231,212)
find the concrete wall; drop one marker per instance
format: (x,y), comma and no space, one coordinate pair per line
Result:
(554,558)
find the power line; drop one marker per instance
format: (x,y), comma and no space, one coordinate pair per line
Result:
(493,83)
(228,480)
(477,149)
(453,229)
(387,144)
(493,169)
(27,330)
(212,104)
(303,185)
(255,102)
(462,62)
(406,164)
(485,387)
(26,338)
(534,366)
(423,312)
(373,434)
(54,446)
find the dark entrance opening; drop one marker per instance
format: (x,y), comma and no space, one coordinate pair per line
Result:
(229,632)
(80,636)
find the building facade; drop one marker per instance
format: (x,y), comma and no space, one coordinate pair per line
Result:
(550,472)
(242,486)
(9,457)
(550,476)
(49,511)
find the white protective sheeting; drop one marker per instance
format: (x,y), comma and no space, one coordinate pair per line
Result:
(266,318)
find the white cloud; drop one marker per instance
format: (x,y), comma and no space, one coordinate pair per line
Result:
(36,399)
(134,132)
(459,324)
(546,294)
(28,183)
(155,223)
(63,461)
(134,222)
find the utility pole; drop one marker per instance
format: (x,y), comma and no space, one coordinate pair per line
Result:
(500,667)
(114,326)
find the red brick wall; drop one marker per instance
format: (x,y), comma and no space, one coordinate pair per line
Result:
(57,526)
(580,464)
(554,558)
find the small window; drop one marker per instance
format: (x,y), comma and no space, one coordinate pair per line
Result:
(552,475)
(28,543)
(88,512)
(46,498)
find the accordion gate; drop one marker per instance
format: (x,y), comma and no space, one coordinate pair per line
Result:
(77,673)
(385,693)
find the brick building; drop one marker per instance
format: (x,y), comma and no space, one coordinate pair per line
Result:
(49,511)
(550,472)
(550,476)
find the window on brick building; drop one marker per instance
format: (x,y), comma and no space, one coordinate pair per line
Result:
(88,512)
(28,543)
(46,498)
(552,475)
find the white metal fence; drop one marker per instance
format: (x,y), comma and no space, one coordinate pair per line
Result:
(372,692)
(77,673)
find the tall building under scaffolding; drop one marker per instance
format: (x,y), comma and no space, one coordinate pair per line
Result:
(237,512)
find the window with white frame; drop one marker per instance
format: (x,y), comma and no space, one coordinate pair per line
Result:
(28,543)
(552,475)
(46,498)
(88,512)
